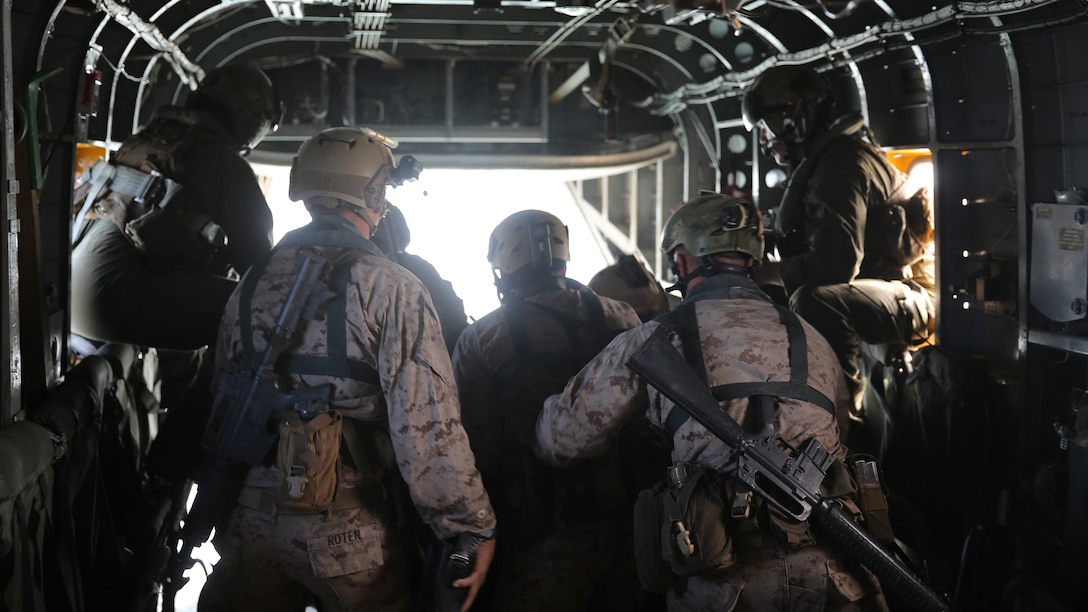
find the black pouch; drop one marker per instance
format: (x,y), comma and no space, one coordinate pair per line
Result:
(695,524)
(654,572)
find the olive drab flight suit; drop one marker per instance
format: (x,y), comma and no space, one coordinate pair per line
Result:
(836,281)
(116,295)
(393,383)
(170,299)
(564,535)
(742,340)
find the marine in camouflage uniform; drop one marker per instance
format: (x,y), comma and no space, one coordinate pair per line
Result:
(853,281)
(565,534)
(716,242)
(396,391)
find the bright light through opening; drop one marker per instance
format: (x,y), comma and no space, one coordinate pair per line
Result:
(451,214)
(920,175)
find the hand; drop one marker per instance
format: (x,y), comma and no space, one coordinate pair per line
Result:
(485,552)
(770,273)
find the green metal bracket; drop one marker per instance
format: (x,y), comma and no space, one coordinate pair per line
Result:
(33,141)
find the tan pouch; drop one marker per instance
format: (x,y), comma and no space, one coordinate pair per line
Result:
(309,462)
(872,501)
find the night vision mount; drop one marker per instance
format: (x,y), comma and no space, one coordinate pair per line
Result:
(407,169)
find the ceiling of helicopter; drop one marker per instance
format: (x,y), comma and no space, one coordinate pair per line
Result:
(520,78)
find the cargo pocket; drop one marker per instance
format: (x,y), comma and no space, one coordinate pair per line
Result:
(346,552)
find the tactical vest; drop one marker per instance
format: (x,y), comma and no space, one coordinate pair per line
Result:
(138,190)
(683,322)
(534,497)
(360,441)
(745,520)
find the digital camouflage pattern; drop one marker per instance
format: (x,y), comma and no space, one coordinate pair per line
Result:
(560,548)
(350,561)
(742,341)
(392,326)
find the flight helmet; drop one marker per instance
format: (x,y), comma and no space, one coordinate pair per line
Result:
(243,99)
(788,104)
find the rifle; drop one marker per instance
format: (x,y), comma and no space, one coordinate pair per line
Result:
(242,429)
(445,563)
(790,483)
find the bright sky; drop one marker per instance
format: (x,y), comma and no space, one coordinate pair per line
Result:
(451,214)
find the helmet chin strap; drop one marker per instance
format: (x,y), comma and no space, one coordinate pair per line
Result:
(373,226)
(707,268)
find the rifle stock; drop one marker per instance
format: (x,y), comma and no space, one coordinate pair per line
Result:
(791,483)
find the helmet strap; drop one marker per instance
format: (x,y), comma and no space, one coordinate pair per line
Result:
(373,227)
(709,267)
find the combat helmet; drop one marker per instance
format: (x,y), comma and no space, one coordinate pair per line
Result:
(791,102)
(629,281)
(529,238)
(353,165)
(715,223)
(243,99)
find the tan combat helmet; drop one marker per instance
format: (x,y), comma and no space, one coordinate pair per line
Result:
(629,281)
(350,164)
(529,237)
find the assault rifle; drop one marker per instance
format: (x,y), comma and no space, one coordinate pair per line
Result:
(243,427)
(445,563)
(790,483)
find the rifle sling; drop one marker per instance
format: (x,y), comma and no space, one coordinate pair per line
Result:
(336,363)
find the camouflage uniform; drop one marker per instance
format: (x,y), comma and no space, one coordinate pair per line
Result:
(560,547)
(742,341)
(450,307)
(272,561)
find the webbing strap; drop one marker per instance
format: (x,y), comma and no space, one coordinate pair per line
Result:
(686,325)
(336,363)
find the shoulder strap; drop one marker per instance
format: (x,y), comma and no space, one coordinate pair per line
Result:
(686,326)
(336,363)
